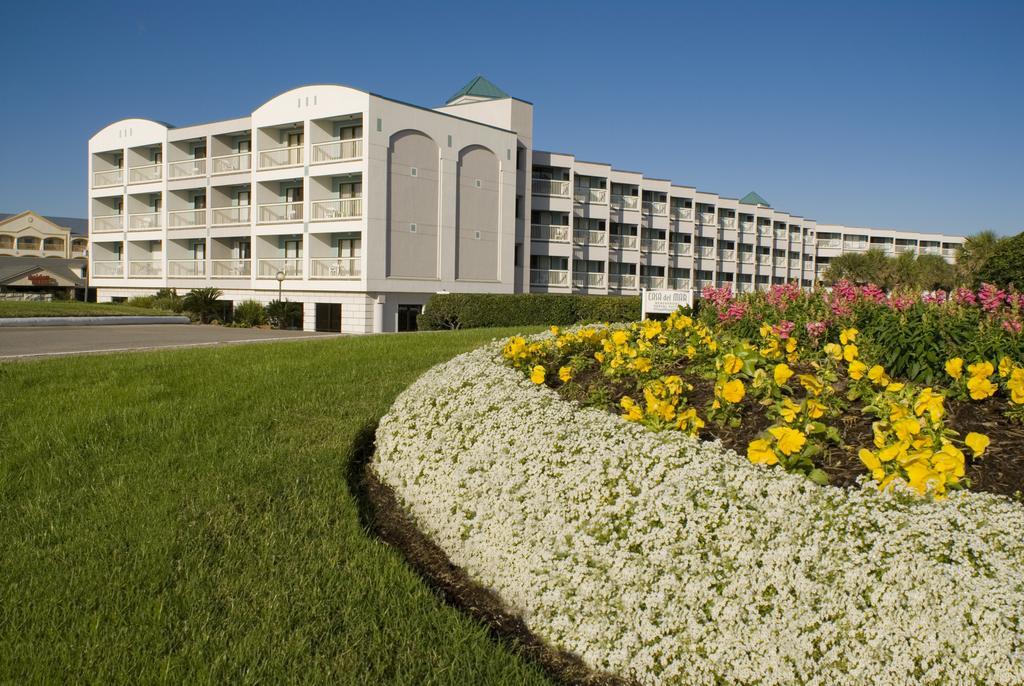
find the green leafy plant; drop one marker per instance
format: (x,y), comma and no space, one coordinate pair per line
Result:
(203,303)
(283,314)
(249,313)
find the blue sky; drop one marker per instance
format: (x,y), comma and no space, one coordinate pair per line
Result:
(905,115)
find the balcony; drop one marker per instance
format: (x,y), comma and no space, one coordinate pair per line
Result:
(746,258)
(186,169)
(855,245)
(231,269)
(268,269)
(703,283)
(553,233)
(281,157)
(707,218)
(746,226)
(588,280)
(186,219)
(706,250)
(794,264)
(682,213)
(622,281)
(145,269)
(727,254)
(231,216)
(655,207)
(625,202)
(653,282)
(949,252)
(549,277)
(679,284)
(336,210)
(108,268)
(590,195)
(231,164)
(557,189)
(337,151)
(829,243)
(682,248)
(906,248)
(589,237)
(930,250)
(764,230)
(111,222)
(186,269)
(145,174)
(110,177)
(727,222)
(334,268)
(280,212)
(142,222)
(622,242)
(653,245)
(782,234)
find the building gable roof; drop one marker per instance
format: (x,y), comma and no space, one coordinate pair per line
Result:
(64,272)
(753,198)
(480,88)
(77,225)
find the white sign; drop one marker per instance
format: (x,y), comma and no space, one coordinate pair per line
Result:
(663,302)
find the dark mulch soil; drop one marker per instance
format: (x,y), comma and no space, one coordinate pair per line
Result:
(383,516)
(1000,470)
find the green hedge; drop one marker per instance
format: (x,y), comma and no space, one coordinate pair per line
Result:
(475,310)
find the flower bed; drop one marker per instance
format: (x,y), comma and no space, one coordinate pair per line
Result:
(665,559)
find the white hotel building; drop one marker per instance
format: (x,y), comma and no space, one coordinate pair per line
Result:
(365,206)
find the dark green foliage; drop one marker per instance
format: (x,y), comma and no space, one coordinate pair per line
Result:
(202,303)
(250,313)
(1005,263)
(905,271)
(474,310)
(282,314)
(168,299)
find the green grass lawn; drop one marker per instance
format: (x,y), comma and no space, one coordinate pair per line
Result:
(62,308)
(184,517)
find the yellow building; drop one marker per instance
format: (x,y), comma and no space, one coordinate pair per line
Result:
(28,234)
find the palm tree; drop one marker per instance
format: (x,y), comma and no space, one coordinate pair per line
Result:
(972,255)
(203,302)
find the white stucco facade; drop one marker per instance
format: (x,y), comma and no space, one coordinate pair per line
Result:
(370,204)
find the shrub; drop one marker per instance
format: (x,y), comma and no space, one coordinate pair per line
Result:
(145,301)
(168,299)
(283,314)
(1005,263)
(250,313)
(202,303)
(474,310)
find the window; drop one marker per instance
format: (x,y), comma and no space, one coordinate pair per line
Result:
(199,151)
(199,201)
(244,250)
(244,146)
(242,198)
(199,250)
(348,247)
(292,249)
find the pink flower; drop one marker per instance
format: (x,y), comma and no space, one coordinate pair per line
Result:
(720,297)
(873,293)
(734,313)
(816,329)
(783,329)
(990,297)
(1012,325)
(781,295)
(935,297)
(964,296)
(901,302)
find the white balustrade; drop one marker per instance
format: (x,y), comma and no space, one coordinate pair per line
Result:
(682,248)
(682,213)
(653,245)
(707,218)
(145,268)
(186,269)
(143,221)
(625,202)
(186,219)
(337,151)
(186,168)
(334,268)
(109,177)
(589,237)
(269,268)
(232,164)
(336,209)
(552,187)
(228,269)
(231,216)
(279,212)
(549,277)
(590,195)
(110,222)
(281,157)
(106,268)
(145,174)
(622,242)
(655,207)
(588,279)
(655,282)
(679,284)
(552,233)
(622,281)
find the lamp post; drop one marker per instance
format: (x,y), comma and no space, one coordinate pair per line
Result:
(280,282)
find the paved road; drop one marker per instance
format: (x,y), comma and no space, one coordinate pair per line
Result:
(44,341)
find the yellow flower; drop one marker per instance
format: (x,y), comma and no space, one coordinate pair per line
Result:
(833,350)
(919,475)
(872,462)
(848,336)
(980,370)
(891,452)
(977,443)
(930,402)
(789,410)
(733,391)
(633,411)
(906,428)
(815,409)
(980,387)
(857,370)
(878,375)
(1016,385)
(791,345)
(760,452)
(782,374)
(789,440)
(690,422)
(565,373)
(812,384)
(537,375)
(895,387)
(642,365)
(955,367)
(599,356)
(850,352)
(731,364)
(554,330)
(1005,366)
(620,337)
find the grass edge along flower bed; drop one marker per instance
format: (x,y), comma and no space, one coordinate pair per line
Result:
(664,559)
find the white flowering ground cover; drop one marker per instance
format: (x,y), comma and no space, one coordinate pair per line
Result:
(670,561)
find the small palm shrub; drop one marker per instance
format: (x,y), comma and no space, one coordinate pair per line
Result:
(249,313)
(168,299)
(202,303)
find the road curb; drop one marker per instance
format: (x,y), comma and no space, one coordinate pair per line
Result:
(90,321)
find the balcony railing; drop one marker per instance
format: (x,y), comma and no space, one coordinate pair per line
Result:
(107,268)
(279,212)
(268,268)
(622,242)
(653,245)
(552,187)
(186,219)
(746,226)
(231,216)
(622,281)
(655,207)
(337,151)
(334,268)
(145,268)
(794,264)
(764,230)
(231,269)
(588,280)
(143,221)
(336,209)
(906,248)
(625,202)
(655,282)
(949,252)
(549,277)
(781,234)
(706,250)
(829,243)
(682,213)
(764,259)
(701,283)
(930,250)
(855,245)
(109,177)
(232,164)
(552,233)
(679,284)
(707,218)
(186,269)
(727,222)
(727,254)
(746,258)
(110,222)
(281,157)
(186,168)
(145,174)
(681,248)
(590,195)
(589,237)
(884,247)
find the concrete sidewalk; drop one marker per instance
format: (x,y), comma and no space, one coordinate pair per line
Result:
(29,342)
